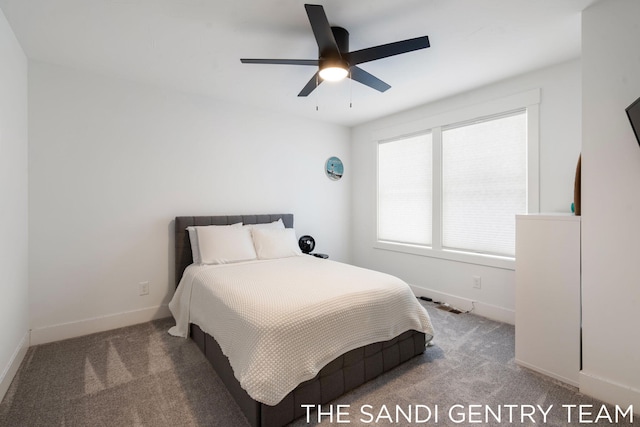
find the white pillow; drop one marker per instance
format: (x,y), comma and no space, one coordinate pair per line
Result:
(193,238)
(273,243)
(275,224)
(221,245)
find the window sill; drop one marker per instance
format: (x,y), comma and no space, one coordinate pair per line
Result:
(506,263)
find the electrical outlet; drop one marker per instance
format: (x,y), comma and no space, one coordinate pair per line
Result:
(143,288)
(477,282)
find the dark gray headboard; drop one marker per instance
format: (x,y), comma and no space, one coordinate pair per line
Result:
(183,245)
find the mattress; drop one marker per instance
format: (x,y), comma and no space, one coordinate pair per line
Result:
(279,322)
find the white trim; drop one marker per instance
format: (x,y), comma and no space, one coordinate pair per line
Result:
(97,324)
(14,363)
(479,308)
(505,263)
(610,392)
(484,109)
(533,157)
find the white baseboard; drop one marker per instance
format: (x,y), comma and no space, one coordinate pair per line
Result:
(14,363)
(489,311)
(566,380)
(610,392)
(97,324)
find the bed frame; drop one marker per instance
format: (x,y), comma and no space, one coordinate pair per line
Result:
(343,374)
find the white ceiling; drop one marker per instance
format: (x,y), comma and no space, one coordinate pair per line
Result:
(196,46)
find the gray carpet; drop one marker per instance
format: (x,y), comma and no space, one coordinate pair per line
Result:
(140,375)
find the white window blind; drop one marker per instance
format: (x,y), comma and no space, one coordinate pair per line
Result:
(484,184)
(405,190)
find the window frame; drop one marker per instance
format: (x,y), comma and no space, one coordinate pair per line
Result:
(528,101)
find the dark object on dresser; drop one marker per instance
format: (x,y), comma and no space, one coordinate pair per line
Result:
(577,189)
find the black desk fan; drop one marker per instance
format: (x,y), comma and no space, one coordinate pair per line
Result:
(306,243)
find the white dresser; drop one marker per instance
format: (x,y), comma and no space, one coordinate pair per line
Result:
(548,294)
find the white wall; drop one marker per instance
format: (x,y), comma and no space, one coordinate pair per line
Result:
(611,204)
(113,162)
(14,308)
(450,281)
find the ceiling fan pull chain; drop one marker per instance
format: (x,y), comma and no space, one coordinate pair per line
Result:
(317,91)
(350,90)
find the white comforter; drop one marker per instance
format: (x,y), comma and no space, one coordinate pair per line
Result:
(280,321)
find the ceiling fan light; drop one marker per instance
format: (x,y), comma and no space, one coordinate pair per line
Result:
(334,71)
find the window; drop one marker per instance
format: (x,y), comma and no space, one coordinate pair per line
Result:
(405,190)
(452,189)
(484,184)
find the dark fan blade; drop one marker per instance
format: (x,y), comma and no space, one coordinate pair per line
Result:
(327,45)
(360,75)
(385,50)
(311,85)
(280,61)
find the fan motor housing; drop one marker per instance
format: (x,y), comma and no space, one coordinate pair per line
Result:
(342,38)
(339,59)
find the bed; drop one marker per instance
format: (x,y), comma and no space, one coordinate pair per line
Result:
(267,393)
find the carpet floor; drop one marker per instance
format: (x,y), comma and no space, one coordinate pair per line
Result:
(141,376)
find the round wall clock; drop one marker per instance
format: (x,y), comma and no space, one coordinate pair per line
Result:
(334,168)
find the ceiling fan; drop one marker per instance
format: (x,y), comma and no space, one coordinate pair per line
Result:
(334,61)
